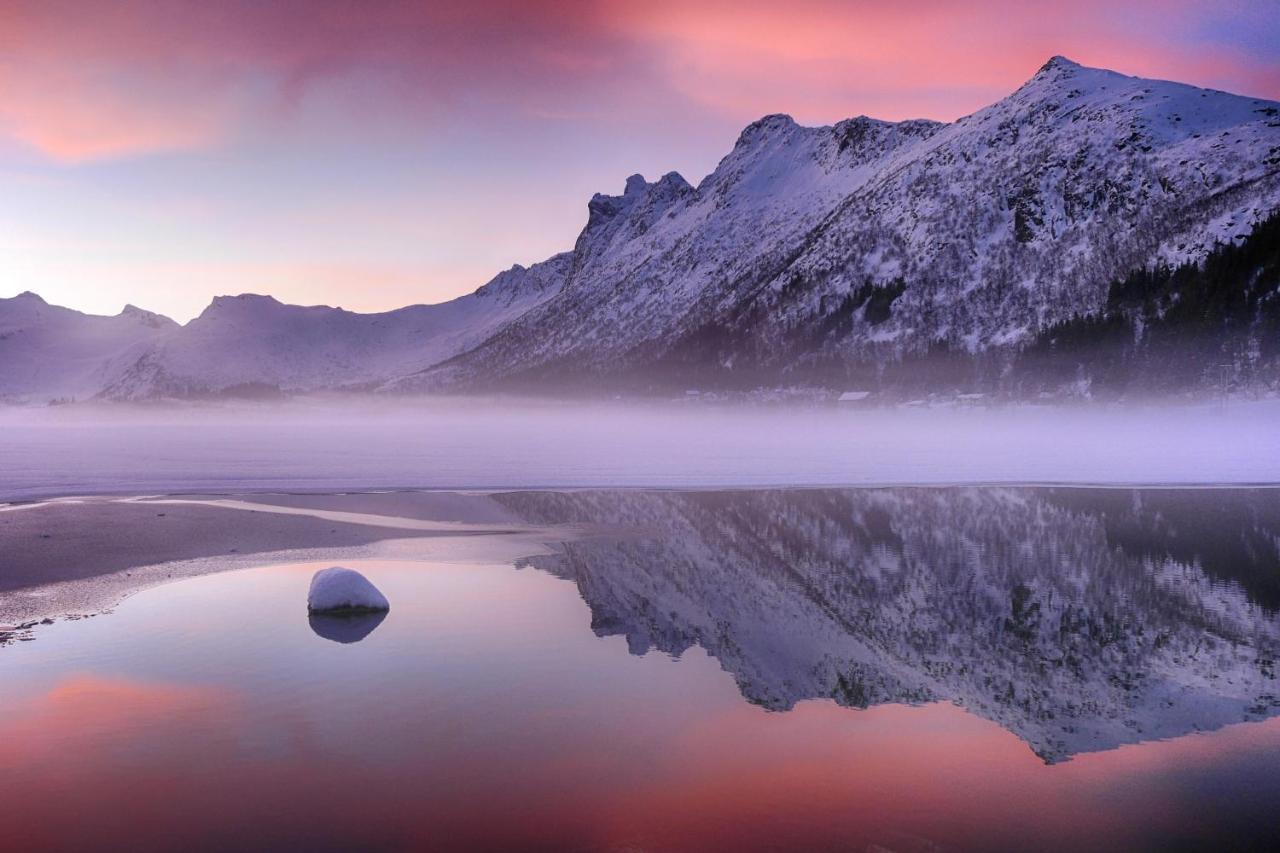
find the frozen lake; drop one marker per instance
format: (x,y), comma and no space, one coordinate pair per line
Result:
(316,446)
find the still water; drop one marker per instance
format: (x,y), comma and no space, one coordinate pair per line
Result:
(913,669)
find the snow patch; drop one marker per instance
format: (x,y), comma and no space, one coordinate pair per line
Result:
(338,589)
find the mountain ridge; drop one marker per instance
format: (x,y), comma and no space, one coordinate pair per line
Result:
(832,256)
(1080,144)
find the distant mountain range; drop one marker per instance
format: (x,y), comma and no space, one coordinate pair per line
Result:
(1092,234)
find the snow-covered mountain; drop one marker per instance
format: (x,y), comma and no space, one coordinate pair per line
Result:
(248,344)
(862,254)
(1078,619)
(242,343)
(868,242)
(48,353)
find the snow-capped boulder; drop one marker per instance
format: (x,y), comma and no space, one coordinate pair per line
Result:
(337,589)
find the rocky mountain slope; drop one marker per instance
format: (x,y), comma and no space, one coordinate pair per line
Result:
(835,251)
(895,257)
(1078,619)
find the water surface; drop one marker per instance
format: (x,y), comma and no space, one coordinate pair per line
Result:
(502,444)
(910,668)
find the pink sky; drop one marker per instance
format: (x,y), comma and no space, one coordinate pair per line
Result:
(373,154)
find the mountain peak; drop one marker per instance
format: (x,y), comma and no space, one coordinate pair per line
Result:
(672,182)
(1061,78)
(1058,70)
(146,317)
(764,128)
(246,298)
(636,183)
(1059,62)
(237,305)
(774,121)
(35,297)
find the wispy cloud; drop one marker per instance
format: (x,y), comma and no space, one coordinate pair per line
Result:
(86,81)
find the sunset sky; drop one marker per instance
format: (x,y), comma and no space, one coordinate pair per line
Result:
(373,154)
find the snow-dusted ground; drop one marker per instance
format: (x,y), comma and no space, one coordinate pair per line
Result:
(362,445)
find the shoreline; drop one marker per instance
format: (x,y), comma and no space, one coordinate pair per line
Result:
(79,557)
(13,503)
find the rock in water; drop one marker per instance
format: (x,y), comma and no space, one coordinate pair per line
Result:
(345,626)
(337,590)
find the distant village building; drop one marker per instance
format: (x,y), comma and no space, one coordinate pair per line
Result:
(851,397)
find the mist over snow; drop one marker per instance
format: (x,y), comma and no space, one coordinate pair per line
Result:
(311,445)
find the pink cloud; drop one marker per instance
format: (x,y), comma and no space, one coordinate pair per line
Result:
(73,117)
(85,81)
(92,80)
(824,60)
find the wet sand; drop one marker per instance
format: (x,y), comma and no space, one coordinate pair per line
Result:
(81,556)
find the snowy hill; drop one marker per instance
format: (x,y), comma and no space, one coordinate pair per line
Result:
(248,345)
(48,353)
(865,254)
(253,344)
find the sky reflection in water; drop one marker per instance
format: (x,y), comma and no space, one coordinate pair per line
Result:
(493,707)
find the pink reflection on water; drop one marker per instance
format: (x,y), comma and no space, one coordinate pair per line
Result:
(548,737)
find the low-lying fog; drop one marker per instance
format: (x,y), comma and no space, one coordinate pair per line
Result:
(445,443)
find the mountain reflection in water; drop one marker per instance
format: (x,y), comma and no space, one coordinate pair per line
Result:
(1078,619)
(1002,641)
